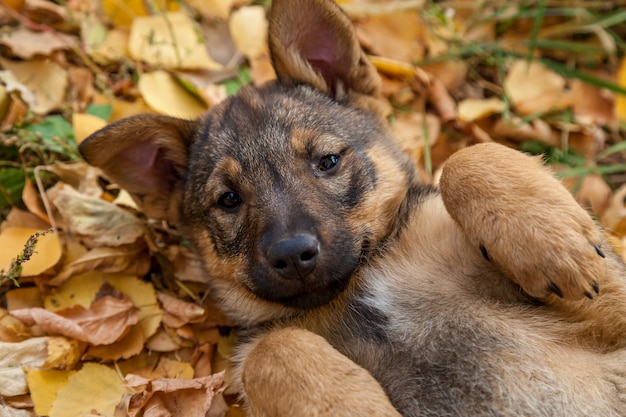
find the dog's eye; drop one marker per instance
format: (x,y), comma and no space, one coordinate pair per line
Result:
(229,200)
(328,162)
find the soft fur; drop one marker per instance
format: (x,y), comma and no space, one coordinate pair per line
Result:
(359,290)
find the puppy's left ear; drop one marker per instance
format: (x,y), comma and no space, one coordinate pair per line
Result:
(313,42)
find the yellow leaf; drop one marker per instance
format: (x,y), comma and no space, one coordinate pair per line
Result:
(95,389)
(86,124)
(44,386)
(144,298)
(63,353)
(166,96)
(534,88)
(169,40)
(47,251)
(122,12)
(620,99)
(45,79)
(248,28)
(473,109)
(77,290)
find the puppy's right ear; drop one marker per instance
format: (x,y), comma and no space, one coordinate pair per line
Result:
(147,156)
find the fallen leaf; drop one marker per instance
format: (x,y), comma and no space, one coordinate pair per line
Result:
(169,40)
(166,96)
(44,79)
(130,259)
(96,221)
(177,397)
(144,298)
(44,385)
(94,389)
(25,43)
(106,321)
(614,217)
(78,290)
(23,298)
(11,329)
(620,99)
(248,28)
(187,312)
(472,109)
(86,124)
(47,250)
(592,105)
(129,345)
(31,353)
(534,88)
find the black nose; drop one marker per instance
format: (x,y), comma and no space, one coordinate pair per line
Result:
(294,257)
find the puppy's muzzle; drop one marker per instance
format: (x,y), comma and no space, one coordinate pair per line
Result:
(294,257)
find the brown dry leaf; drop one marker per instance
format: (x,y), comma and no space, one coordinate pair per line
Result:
(166,96)
(173,397)
(96,221)
(187,264)
(518,130)
(592,105)
(47,251)
(399,35)
(25,43)
(22,218)
(165,368)
(11,329)
(45,80)
(23,298)
(169,40)
(614,217)
(44,385)
(161,341)
(34,203)
(186,312)
(129,345)
(106,321)
(143,296)
(130,259)
(620,99)
(472,109)
(94,390)
(411,128)
(85,124)
(534,88)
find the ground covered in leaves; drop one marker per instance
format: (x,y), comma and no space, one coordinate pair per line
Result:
(104,312)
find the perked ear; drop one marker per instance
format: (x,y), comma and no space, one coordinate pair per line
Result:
(147,156)
(314,42)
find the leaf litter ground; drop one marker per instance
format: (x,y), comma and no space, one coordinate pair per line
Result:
(112,307)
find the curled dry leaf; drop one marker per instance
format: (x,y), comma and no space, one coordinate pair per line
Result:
(176,397)
(519,130)
(129,345)
(186,312)
(614,217)
(166,96)
(106,321)
(95,221)
(45,80)
(25,43)
(47,251)
(169,40)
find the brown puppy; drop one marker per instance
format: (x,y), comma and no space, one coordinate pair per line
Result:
(360,291)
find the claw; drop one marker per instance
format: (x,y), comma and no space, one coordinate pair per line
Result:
(483,250)
(555,289)
(599,251)
(588,295)
(596,287)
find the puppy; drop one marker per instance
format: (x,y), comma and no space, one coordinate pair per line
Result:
(359,290)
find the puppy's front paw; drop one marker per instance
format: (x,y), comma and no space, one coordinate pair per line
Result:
(524,221)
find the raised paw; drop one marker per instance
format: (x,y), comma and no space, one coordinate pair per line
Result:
(524,221)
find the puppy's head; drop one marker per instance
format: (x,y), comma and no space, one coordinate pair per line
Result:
(283,189)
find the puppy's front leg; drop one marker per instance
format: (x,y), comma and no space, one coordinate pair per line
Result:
(293,372)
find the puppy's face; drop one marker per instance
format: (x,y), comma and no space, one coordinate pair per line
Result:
(289,190)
